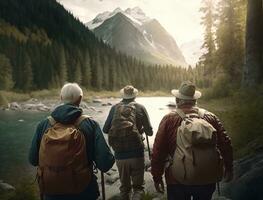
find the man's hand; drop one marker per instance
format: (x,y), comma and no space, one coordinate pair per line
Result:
(228,176)
(159,186)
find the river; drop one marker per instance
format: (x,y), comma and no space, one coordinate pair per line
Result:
(17,129)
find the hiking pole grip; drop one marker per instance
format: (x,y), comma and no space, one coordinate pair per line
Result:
(103,186)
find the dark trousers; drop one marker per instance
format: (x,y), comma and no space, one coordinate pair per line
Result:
(185,192)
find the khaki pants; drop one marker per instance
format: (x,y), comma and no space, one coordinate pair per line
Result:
(131,173)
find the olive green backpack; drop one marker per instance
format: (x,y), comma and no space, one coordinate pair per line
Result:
(124,135)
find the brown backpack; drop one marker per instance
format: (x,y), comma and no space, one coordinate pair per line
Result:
(196,160)
(63,165)
(124,134)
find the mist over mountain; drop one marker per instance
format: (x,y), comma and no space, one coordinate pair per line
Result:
(192,51)
(132,32)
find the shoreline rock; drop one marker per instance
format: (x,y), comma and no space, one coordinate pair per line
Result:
(5,187)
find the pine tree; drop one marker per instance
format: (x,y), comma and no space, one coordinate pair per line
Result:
(6,81)
(63,72)
(96,71)
(26,75)
(230,45)
(77,74)
(112,75)
(86,71)
(207,59)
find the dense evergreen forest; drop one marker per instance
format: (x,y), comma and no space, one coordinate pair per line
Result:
(42,46)
(233,45)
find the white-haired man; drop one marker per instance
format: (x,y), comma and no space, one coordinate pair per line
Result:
(65,147)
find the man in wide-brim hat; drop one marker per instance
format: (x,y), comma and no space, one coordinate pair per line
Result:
(166,143)
(126,123)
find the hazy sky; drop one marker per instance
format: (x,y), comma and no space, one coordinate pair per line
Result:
(181,18)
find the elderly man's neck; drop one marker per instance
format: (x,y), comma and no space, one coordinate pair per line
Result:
(128,100)
(181,103)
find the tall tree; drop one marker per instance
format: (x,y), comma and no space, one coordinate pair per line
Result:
(26,74)
(63,72)
(97,73)
(253,68)
(207,59)
(86,71)
(77,73)
(229,42)
(6,80)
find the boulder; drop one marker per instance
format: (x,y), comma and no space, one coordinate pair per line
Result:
(110,179)
(97,101)
(171,104)
(36,107)
(15,106)
(84,105)
(6,187)
(248,179)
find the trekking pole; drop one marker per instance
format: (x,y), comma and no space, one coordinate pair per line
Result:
(218,188)
(148,145)
(103,186)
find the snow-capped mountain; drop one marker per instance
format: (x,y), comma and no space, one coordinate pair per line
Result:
(132,32)
(192,51)
(135,14)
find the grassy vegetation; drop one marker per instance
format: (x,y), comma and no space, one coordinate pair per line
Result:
(25,190)
(242,116)
(3,101)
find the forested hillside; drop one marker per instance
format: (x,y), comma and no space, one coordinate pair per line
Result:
(43,46)
(224,44)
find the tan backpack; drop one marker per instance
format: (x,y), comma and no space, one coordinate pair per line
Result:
(196,160)
(63,165)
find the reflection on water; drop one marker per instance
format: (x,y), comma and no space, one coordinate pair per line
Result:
(17,129)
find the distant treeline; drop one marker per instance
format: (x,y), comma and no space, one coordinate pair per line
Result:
(43,46)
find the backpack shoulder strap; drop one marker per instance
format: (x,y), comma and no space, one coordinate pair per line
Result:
(51,120)
(133,103)
(180,113)
(201,112)
(80,119)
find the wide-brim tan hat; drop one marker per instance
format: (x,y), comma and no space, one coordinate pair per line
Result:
(129,92)
(187,92)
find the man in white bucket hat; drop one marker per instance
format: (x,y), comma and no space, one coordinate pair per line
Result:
(125,125)
(197,146)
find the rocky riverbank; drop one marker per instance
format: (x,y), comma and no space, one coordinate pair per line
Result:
(48,105)
(248,179)
(247,183)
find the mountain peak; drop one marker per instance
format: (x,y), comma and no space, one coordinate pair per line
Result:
(136,9)
(135,34)
(118,9)
(136,14)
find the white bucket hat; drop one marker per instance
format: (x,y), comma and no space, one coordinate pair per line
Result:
(129,92)
(187,91)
